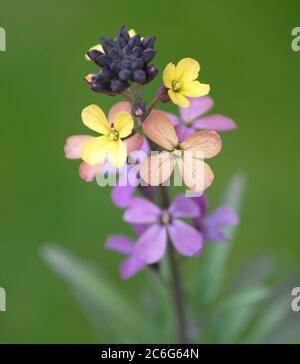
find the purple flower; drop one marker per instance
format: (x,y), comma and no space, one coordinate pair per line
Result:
(121,244)
(192,118)
(164,224)
(212,226)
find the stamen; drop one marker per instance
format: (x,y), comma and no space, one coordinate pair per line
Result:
(177,153)
(113,135)
(165,218)
(176,85)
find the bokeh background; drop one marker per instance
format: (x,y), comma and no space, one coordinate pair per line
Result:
(245,52)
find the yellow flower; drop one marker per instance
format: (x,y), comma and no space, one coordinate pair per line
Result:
(180,80)
(110,144)
(98,47)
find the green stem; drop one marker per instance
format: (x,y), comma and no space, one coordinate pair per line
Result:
(152,104)
(176,285)
(127,96)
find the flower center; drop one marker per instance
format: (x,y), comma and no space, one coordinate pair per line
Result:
(188,122)
(165,218)
(176,85)
(177,153)
(113,135)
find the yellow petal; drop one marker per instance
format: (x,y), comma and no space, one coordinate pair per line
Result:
(187,70)
(131,33)
(89,77)
(119,106)
(168,75)
(178,99)
(117,153)
(95,150)
(123,123)
(97,47)
(160,130)
(157,168)
(195,89)
(94,118)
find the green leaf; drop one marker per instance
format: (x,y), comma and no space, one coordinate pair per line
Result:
(94,290)
(212,263)
(274,318)
(235,313)
(157,302)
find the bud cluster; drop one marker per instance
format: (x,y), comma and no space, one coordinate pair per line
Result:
(124,60)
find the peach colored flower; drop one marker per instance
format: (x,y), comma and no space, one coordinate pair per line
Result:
(187,155)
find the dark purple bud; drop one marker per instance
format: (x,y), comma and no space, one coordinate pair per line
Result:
(126,64)
(105,74)
(135,41)
(125,74)
(148,55)
(123,33)
(113,53)
(162,94)
(125,50)
(139,76)
(116,66)
(104,60)
(138,63)
(148,42)
(123,60)
(152,72)
(97,85)
(121,42)
(118,86)
(136,52)
(138,109)
(107,43)
(95,55)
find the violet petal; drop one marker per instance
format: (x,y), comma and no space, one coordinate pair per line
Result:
(151,245)
(141,211)
(186,239)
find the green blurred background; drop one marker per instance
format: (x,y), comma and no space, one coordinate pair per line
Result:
(244,48)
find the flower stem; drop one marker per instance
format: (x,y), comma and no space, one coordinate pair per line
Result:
(177,296)
(176,286)
(127,96)
(152,104)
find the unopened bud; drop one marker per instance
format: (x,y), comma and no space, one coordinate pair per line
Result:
(138,109)
(162,94)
